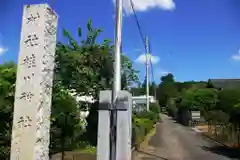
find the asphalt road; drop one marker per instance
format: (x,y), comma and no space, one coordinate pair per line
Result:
(173,141)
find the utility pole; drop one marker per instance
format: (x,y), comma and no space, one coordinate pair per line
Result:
(147,80)
(115,108)
(117,78)
(154,84)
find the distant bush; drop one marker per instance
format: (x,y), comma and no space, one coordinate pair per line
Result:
(171,108)
(154,107)
(228,98)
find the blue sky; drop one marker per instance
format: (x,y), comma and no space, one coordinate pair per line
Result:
(193,39)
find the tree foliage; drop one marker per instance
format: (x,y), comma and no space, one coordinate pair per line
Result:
(228,98)
(86,66)
(203,99)
(65,121)
(7,87)
(166,89)
(218,106)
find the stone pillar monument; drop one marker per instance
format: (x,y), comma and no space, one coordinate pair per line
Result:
(32,106)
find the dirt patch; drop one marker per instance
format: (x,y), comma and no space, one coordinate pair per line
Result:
(75,156)
(203,128)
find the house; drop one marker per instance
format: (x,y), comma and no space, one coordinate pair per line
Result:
(140,102)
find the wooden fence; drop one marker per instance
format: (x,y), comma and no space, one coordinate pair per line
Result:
(227,134)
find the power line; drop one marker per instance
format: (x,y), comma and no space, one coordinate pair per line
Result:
(138,24)
(143,40)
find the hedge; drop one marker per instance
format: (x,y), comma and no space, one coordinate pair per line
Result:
(143,123)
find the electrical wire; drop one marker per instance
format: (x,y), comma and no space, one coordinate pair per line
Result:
(138,25)
(143,40)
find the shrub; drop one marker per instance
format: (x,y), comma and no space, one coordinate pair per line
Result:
(171,108)
(141,127)
(154,107)
(217,117)
(228,98)
(148,115)
(143,122)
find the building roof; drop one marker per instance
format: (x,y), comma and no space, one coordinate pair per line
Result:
(225,83)
(142,99)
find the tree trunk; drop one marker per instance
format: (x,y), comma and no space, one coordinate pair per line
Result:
(63,138)
(62,146)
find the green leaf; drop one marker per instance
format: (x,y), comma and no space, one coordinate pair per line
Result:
(65,33)
(79,31)
(89,25)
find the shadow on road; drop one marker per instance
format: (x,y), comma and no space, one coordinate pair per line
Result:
(152,156)
(222,150)
(156,140)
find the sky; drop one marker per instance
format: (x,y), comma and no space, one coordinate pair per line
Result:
(192,39)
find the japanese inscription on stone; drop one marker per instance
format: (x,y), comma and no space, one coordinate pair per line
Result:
(24,122)
(29,61)
(31,120)
(47,63)
(31,40)
(33,18)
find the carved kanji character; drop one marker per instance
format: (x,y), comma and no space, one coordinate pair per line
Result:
(30,61)
(33,18)
(31,40)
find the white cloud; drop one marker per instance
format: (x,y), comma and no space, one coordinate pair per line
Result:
(144,5)
(3,50)
(236,57)
(163,73)
(142,59)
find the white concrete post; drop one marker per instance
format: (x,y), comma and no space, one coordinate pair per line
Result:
(103,142)
(32,106)
(124,126)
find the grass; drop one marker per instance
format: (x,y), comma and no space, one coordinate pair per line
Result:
(144,141)
(85,147)
(88,149)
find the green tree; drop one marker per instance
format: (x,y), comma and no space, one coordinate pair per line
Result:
(65,121)
(7,87)
(228,98)
(129,75)
(203,99)
(87,67)
(84,66)
(167,89)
